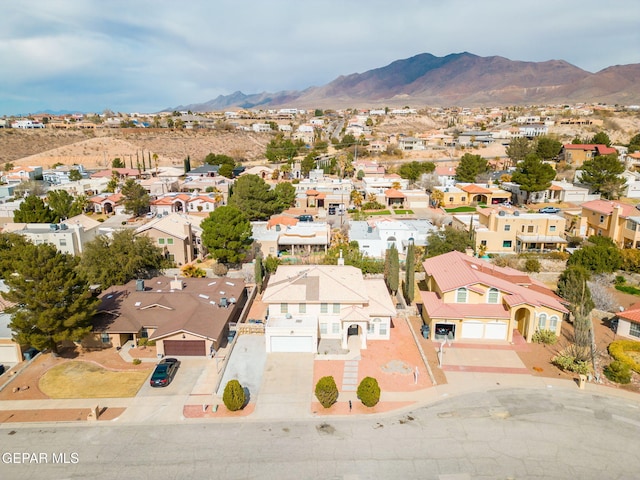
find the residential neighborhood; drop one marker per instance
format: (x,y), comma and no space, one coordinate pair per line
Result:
(352,268)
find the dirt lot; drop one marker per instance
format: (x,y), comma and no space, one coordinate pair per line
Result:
(28,380)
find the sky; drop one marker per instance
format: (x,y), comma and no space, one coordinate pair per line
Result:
(148,55)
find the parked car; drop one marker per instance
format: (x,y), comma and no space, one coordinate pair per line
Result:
(164,372)
(305,218)
(549,210)
(332,210)
(638,206)
(2,369)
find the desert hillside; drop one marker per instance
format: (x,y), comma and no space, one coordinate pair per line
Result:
(98,148)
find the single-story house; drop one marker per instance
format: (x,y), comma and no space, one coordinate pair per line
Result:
(629,322)
(184,316)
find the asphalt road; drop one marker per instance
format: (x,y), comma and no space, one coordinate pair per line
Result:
(514,433)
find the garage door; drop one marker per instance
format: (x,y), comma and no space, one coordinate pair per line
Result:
(472,329)
(292,344)
(495,331)
(8,354)
(191,348)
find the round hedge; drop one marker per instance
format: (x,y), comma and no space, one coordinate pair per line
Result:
(369,391)
(233,396)
(327,391)
(618,348)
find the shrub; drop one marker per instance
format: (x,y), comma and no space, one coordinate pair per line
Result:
(620,280)
(618,372)
(327,391)
(369,391)
(569,363)
(233,396)
(618,351)
(558,256)
(547,337)
(532,265)
(137,361)
(191,271)
(220,269)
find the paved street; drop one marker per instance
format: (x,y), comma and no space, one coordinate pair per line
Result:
(510,433)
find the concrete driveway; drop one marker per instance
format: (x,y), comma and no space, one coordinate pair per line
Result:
(165,404)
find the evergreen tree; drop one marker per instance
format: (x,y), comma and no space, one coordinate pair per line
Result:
(64,205)
(602,174)
(548,148)
(253,196)
(449,239)
(53,300)
(392,268)
(33,210)
(410,273)
(259,273)
(136,199)
(518,149)
(286,195)
(533,175)
(226,233)
(470,167)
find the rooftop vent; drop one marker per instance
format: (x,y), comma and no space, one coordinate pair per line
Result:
(516,213)
(502,213)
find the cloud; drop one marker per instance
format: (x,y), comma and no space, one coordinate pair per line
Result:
(147,55)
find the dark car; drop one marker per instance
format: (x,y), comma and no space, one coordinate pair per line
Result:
(305,218)
(332,210)
(2,369)
(164,372)
(549,210)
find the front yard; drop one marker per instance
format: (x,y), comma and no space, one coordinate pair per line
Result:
(76,379)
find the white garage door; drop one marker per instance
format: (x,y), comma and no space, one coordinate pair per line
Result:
(418,204)
(8,354)
(292,344)
(495,331)
(472,329)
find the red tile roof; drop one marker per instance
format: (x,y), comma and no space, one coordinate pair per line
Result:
(473,188)
(454,270)
(393,193)
(632,313)
(606,207)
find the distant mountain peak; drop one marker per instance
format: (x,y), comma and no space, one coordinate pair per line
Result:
(455,79)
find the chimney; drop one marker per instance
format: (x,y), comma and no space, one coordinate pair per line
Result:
(176,284)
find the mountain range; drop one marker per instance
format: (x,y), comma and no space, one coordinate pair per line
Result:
(457,79)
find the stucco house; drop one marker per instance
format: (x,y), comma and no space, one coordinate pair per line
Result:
(471,299)
(178,235)
(308,303)
(184,316)
(629,322)
(10,351)
(618,221)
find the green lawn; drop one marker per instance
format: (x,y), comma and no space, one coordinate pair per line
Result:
(460,210)
(77,379)
(404,212)
(378,212)
(628,289)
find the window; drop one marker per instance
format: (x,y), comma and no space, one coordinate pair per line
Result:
(483,243)
(542,321)
(506,244)
(553,324)
(284,308)
(450,199)
(601,218)
(371,328)
(552,228)
(530,229)
(63,242)
(161,241)
(463,199)
(144,333)
(335,328)
(492,296)
(336,308)
(323,329)
(324,308)
(461,295)
(104,338)
(302,308)
(507,228)
(634,329)
(169,241)
(383,329)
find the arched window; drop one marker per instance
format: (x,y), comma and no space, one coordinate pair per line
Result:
(553,323)
(492,295)
(461,295)
(542,321)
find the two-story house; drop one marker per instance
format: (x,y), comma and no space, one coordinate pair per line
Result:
(611,219)
(178,235)
(576,154)
(468,298)
(309,303)
(502,231)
